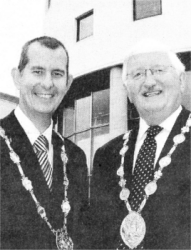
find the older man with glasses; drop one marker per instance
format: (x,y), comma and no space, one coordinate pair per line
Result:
(140,192)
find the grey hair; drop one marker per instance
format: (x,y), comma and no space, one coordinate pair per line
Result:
(148,46)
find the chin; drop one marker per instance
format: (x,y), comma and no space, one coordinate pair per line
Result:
(155,109)
(45,111)
(152,107)
(152,112)
(44,108)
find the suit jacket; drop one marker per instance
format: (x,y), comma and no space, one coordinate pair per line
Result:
(21,226)
(167,211)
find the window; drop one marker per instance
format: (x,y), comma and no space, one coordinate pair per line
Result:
(86,121)
(83,116)
(146,8)
(85,26)
(185,57)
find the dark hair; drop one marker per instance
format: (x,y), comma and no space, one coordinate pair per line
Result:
(46,41)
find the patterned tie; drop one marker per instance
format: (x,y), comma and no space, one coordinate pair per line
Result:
(143,174)
(144,167)
(41,147)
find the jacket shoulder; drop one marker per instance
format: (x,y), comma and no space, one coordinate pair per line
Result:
(113,146)
(73,148)
(6,121)
(73,151)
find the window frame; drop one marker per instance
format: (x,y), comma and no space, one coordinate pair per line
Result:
(91,128)
(185,58)
(135,18)
(78,20)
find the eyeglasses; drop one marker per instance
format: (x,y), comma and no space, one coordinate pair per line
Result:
(140,74)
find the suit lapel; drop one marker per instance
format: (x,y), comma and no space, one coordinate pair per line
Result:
(29,161)
(57,194)
(51,201)
(57,162)
(180,122)
(128,166)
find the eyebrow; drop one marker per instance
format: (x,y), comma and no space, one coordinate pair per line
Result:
(37,67)
(41,68)
(60,70)
(153,66)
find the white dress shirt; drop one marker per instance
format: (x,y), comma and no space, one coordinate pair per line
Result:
(160,138)
(33,133)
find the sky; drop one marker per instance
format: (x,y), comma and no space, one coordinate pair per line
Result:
(20,21)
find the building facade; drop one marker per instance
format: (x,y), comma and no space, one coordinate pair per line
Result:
(98,35)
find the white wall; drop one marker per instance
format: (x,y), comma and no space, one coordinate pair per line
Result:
(115,30)
(118,104)
(20,21)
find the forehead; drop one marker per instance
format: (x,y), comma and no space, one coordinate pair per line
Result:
(40,55)
(148,60)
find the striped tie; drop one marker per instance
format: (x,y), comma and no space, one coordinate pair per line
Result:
(41,147)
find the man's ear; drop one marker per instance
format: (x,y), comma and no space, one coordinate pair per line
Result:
(70,80)
(16,77)
(182,78)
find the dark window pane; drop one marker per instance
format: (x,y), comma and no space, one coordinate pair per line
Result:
(68,121)
(83,114)
(100,109)
(185,58)
(146,8)
(85,26)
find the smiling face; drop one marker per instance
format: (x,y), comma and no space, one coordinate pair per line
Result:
(155,97)
(43,81)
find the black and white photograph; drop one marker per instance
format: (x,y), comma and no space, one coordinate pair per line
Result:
(95,124)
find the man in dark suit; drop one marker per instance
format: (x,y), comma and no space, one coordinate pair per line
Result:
(142,179)
(39,208)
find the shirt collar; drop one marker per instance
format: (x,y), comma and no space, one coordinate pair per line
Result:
(166,124)
(170,121)
(30,129)
(143,126)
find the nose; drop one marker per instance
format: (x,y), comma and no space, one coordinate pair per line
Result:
(149,78)
(47,82)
